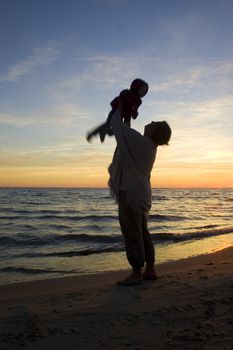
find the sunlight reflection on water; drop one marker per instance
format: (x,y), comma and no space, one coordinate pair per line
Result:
(39,225)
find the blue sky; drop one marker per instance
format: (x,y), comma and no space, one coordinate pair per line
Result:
(62,62)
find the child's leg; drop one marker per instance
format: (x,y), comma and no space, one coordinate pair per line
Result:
(101,130)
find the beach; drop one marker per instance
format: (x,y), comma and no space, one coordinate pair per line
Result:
(190,306)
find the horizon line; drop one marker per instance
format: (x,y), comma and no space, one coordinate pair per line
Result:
(100,187)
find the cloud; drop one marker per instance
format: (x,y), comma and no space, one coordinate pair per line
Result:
(104,73)
(108,70)
(60,155)
(201,130)
(100,72)
(62,114)
(40,56)
(212,112)
(196,76)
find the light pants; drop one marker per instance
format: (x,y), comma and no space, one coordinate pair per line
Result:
(138,242)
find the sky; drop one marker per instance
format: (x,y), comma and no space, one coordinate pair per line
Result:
(63,61)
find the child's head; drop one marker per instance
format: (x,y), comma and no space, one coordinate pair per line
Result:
(131,99)
(158,132)
(139,87)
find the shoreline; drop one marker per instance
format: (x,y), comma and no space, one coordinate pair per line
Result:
(173,253)
(183,263)
(189,307)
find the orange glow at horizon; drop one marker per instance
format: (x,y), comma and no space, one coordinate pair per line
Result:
(71,177)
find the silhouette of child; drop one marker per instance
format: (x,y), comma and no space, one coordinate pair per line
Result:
(131,100)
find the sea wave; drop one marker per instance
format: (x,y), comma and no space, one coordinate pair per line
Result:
(158,217)
(73,253)
(46,215)
(102,239)
(164,237)
(53,239)
(118,245)
(55,215)
(24,270)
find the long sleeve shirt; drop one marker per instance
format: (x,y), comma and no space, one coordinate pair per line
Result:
(131,166)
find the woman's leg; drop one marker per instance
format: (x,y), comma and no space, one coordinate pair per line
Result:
(131,228)
(149,273)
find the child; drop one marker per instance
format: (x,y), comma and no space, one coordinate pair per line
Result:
(131,100)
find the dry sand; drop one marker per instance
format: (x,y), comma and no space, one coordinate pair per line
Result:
(189,307)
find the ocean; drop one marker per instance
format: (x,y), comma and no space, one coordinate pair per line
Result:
(56,232)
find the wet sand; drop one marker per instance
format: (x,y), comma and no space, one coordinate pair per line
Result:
(189,307)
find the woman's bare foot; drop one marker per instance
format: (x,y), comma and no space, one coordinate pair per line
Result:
(149,273)
(149,276)
(135,278)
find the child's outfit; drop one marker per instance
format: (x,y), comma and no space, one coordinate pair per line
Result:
(130,100)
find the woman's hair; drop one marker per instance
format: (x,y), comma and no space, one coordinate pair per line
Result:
(162,133)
